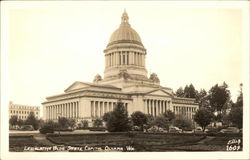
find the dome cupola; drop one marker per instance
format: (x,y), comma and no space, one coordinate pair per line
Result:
(125,53)
(125,33)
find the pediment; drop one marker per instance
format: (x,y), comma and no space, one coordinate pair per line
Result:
(76,85)
(159,93)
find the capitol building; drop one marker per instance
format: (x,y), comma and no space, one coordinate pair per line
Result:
(125,79)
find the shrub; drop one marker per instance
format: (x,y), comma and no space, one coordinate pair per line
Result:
(85,124)
(46,129)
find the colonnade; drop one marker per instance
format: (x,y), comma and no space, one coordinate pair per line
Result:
(69,110)
(156,107)
(124,58)
(186,111)
(99,108)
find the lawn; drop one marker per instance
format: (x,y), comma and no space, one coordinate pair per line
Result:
(17,143)
(139,140)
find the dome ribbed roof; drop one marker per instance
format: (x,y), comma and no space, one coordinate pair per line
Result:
(125,33)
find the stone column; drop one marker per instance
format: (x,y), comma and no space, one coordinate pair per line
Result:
(136,58)
(56,111)
(101,109)
(153,110)
(130,58)
(105,107)
(73,109)
(72,113)
(125,57)
(139,62)
(156,105)
(70,110)
(95,105)
(78,109)
(64,110)
(116,58)
(166,105)
(48,113)
(92,109)
(61,110)
(52,115)
(51,112)
(150,107)
(160,109)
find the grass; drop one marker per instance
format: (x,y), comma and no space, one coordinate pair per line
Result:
(140,141)
(17,143)
(221,140)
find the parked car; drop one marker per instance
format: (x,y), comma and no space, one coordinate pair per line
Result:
(230,130)
(199,130)
(187,131)
(27,128)
(174,130)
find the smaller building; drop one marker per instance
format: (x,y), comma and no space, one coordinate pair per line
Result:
(23,111)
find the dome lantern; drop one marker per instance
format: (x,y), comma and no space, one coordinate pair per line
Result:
(125,18)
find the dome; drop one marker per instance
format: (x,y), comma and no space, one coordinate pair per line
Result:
(125,33)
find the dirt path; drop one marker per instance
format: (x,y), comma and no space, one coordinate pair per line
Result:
(208,138)
(43,140)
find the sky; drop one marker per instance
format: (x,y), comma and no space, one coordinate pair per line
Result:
(52,46)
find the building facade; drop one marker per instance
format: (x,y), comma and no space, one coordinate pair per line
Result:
(23,111)
(125,79)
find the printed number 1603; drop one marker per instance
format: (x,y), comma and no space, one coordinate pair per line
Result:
(233,148)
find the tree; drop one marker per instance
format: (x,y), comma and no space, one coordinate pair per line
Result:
(98,123)
(63,122)
(13,120)
(118,121)
(71,123)
(85,124)
(150,120)
(161,121)
(202,98)
(180,92)
(218,97)
(203,117)
(236,116)
(169,115)
(182,122)
(189,91)
(106,116)
(31,120)
(236,113)
(20,122)
(139,119)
